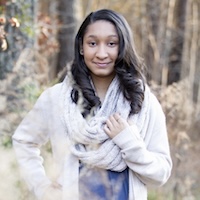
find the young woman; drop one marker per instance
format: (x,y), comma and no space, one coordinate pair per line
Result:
(107,130)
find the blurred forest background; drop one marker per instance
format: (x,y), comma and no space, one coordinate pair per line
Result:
(36,43)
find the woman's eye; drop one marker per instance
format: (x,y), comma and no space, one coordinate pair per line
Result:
(92,44)
(112,44)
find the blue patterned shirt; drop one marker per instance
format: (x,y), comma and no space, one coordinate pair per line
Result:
(99,184)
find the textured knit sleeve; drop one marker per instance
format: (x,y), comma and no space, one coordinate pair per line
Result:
(149,156)
(27,139)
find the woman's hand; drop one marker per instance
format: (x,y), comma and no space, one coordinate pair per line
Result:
(114,125)
(53,192)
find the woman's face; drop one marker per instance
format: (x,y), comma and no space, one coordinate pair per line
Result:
(100,49)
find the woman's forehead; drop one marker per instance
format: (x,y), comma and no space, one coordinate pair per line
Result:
(101,27)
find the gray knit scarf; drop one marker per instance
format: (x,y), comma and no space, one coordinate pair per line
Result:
(90,144)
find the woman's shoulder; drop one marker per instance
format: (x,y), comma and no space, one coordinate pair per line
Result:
(149,94)
(52,90)
(51,93)
(57,88)
(57,91)
(152,101)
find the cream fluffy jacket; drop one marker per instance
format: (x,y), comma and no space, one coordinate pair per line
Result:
(146,155)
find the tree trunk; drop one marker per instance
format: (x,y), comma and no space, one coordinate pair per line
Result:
(69,17)
(177,42)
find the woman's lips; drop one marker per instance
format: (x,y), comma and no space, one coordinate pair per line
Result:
(102,64)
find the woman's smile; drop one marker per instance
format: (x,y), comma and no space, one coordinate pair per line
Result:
(102,65)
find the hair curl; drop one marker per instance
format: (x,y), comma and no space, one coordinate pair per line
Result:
(128,66)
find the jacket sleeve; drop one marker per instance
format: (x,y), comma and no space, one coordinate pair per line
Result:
(148,157)
(30,135)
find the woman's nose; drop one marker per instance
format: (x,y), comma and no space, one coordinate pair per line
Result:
(101,52)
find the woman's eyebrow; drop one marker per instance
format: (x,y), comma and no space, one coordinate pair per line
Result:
(94,36)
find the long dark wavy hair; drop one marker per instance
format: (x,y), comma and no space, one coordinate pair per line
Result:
(128,66)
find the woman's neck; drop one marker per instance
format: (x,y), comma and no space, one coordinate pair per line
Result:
(101,86)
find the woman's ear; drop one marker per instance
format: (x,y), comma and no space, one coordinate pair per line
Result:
(81,50)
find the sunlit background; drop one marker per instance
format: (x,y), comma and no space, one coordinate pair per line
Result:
(36,43)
